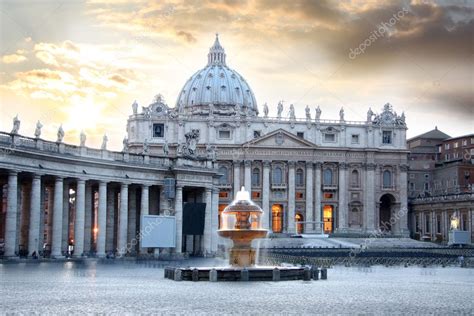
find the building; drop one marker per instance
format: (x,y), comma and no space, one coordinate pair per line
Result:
(309,174)
(440,184)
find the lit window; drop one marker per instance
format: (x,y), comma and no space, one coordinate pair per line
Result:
(277,218)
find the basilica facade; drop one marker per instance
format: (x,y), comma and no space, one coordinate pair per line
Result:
(310,175)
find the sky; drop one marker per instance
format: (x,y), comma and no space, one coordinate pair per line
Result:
(83,63)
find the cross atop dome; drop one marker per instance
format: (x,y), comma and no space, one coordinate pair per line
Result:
(216,54)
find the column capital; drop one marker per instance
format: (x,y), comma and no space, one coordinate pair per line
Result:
(291,163)
(318,164)
(237,162)
(124,184)
(343,165)
(208,190)
(58,178)
(78,180)
(12,173)
(145,185)
(404,167)
(248,163)
(37,176)
(309,164)
(370,166)
(267,163)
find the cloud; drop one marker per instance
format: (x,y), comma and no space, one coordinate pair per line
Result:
(188,37)
(14,58)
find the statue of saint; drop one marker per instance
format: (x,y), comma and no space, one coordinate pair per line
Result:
(60,134)
(369,115)
(265,109)
(308,113)
(16,125)
(166,149)
(135,107)
(318,113)
(38,129)
(279,109)
(292,112)
(125,144)
(341,114)
(105,139)
(83,138)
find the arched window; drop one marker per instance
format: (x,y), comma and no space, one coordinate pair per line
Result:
(387,179)
(224,179)
(255,177)
(355,178)
(327,179)
(277,176)
(299,178)
(277,218)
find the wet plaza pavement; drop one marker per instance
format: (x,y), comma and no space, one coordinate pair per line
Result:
(130,288)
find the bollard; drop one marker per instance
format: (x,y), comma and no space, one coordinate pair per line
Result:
(276,275)
(177,275)
(213,275)
(315,273)
(195,275)
(244,274)
(307,274)
(324,274)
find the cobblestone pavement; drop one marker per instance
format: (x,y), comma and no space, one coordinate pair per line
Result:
(129,288)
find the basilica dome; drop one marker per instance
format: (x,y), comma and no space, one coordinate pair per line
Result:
(217,85)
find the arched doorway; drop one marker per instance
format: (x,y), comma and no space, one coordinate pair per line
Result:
(299,226)
(385,212)
(277,218)
(328,218)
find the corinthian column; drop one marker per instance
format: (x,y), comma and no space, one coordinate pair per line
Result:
(178,209)
(80,218)
(57,218)
(144,210)
(370,197)
(266,195)
(309,195)
(342,197)
(317,196)
(291,197)
(248,175)
(12,214)
(236,176)
(403,213)
(35,204)
(208,222)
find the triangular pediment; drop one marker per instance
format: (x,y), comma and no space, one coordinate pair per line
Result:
(281,138)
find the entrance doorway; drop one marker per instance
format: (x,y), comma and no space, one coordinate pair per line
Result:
(299,226)
(277,218)
(385,214)
(328,219)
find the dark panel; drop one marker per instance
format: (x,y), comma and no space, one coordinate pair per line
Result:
(193,218)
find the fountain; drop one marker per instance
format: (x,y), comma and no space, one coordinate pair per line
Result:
(241,221)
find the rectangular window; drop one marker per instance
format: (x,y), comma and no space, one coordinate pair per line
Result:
(300,135)
(256,134)
(299,195)
(446,146)
(464,142)
(223,134)
(158,130)
(255,195)
(330,138)
(386,137)
(223,194)
(328,196)
(412,186)
(456,145)
(472,141)
(355,139)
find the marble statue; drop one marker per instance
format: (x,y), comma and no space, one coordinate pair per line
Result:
(308,113)
(166,149)
(83,138)
(402,118)
(135,107)
(16,125)
(211,152)
(279,109)
(192,138)
(454,222)
(146,147)
(318,113)
(38,129)
(125,144)
(291,113)
(369,115)
(60,134)
(341,114)
(105,139)
(265,109)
